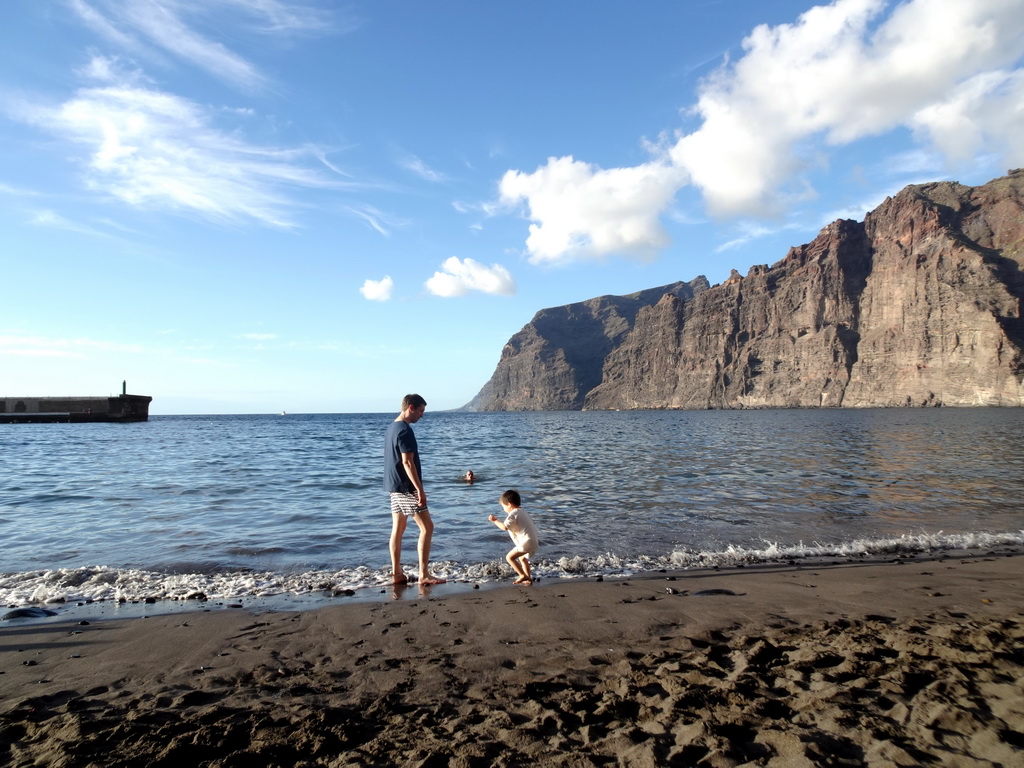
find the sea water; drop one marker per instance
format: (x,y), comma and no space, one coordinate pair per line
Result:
(238,507)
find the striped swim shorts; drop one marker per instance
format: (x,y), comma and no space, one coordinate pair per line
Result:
(405,504)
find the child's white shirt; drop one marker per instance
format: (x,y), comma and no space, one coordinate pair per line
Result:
(520,527)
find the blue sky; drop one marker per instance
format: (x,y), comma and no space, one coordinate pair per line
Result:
(248,206)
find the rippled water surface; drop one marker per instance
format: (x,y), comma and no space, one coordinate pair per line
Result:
(298,495)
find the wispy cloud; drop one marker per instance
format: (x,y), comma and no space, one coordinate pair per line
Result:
(915,162)
(172,27)
(485,208)
(14,342)
(750,231)
(322,157)
(7,189)
(459,277)
(152,149)
(379,220)
(41,346)
(293,17)
(259,336)
(422,170)
(103,26)
(53,220)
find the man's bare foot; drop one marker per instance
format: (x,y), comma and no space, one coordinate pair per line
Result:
(400,578)
(523,580)
(430,579)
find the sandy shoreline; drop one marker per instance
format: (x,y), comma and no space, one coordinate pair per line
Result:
(917,661)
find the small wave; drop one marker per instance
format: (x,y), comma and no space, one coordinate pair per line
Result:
(102,583)
(46,498)
(254,551)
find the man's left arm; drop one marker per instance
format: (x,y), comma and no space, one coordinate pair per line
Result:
(409,463)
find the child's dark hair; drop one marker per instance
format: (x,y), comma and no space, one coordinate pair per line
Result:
(511,498)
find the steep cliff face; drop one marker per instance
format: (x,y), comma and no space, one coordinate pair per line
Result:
(557,358)
(941,312)
(783,336)
(920,304)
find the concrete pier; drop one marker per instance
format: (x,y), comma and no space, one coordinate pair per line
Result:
(36,410)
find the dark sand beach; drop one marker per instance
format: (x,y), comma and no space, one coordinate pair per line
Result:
(913,661)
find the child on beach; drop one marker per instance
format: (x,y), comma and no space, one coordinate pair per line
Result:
(523,532)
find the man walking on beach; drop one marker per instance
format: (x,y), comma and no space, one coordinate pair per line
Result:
(403,480)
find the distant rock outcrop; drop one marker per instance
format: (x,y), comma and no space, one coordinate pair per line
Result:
(919,304)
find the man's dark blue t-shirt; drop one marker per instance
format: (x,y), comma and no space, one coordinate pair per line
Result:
(399,440)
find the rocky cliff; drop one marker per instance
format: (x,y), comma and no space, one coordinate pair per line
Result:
(557,358)
(919,304)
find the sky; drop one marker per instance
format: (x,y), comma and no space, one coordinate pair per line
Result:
(255,206)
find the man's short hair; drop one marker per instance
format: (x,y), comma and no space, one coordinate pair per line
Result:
(511,498)
(413,401)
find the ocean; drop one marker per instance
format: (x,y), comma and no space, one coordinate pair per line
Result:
(243,508)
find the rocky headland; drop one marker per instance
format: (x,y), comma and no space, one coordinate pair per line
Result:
(920,304)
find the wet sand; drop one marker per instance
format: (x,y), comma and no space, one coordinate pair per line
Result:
(907,662)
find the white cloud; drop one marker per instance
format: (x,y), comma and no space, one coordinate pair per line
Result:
(157,150)
(584,212)
(378,290)
(948,70)
(459,277)
(839,74)
(108,69)
(987,111)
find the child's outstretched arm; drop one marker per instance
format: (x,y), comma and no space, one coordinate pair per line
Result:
(497,522)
